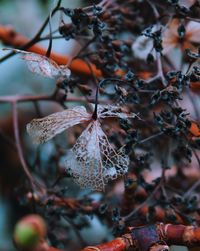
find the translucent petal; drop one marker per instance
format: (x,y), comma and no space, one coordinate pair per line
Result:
(93,161)
(105,111)
(193,31)
(42,65)
(142,46)
(43,129)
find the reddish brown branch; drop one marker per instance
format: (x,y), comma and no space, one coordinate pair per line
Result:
(67,203)
(144,238)
(33,182)
(118,244)
(148,237)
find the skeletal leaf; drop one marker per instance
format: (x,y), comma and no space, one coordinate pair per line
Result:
(43,65)
(93,161)
(105,111)
(43,129)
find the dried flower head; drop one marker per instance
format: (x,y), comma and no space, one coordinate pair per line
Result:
(176,35)
(92,161)
(43,65)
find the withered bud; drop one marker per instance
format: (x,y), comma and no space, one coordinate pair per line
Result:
(29,231)
(32,196)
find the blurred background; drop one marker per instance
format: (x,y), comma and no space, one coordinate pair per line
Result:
(26,17)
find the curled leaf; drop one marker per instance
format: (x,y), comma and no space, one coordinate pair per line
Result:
(43,65)
(93,161)
(43,129)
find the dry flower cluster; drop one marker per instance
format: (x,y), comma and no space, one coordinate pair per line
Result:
(92,161)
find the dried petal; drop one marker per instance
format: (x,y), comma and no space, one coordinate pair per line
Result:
(41,130)
(193,31)
(42,65)
(171,38)
(187,3)
(105,111)
(93,161)
(142,46)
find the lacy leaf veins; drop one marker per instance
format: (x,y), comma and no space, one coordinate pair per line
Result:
(92,161)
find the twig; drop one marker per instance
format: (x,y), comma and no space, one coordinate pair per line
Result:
(128,216)
(10,37)
(158,55)
(30,98)
(160,69)
(156,13)
(36,38)
(192,188)
(84,47)
(33,182)
(149,138)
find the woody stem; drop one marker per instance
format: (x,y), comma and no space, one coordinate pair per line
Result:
(94,116)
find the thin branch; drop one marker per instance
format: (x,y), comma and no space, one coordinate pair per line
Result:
(7,139)
(36,38)
(160,68)
(149,138)
(30,98)
(127,217)
(84,47)
(33,182)
(192,188)
(156,13)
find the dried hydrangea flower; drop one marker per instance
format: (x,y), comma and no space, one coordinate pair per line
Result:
(143,45)
(92,161)
(43,65)
(172,40)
